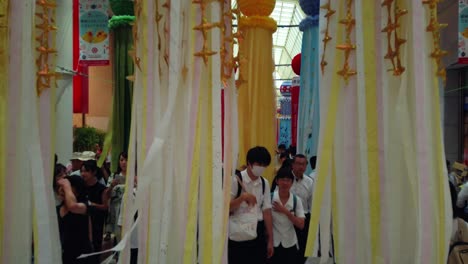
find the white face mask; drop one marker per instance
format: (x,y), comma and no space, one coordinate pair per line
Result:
(258,170)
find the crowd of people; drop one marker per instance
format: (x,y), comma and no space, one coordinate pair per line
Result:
(271,225)
(266,224)
(89,200)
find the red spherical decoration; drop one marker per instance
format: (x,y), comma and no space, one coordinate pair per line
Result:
(296,64)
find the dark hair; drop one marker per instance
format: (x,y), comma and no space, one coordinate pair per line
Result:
(91,166)
(457,212)
(284,155)
(122,154)
(284,173)
(292,150)
(260,155)
(301,156)
(78,184)
(282,146)
(59,168)
(313,162)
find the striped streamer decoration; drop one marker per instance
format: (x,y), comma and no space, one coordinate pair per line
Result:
(385,156)
(29,125)
(4,47)
(176,131)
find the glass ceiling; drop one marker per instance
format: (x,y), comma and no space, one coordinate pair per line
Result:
(287,40)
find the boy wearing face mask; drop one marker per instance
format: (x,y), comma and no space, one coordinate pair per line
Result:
(257,195)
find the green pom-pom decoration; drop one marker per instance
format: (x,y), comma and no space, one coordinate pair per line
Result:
(120,21)
(122,7)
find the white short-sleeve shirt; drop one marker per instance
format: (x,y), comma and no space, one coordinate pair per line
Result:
(254,187)
(134,234)
(462,196)
(283,229)
(304,189)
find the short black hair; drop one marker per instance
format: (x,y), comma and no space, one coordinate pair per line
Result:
(282,146)
(260,155)
(301,156)
(313,162)
(284,173)
(91,166)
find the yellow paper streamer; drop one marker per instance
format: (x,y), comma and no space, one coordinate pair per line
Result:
(189,248)
(335,212)
(325,152)
(3,109)
(372,129)
(206,174)
(442,180)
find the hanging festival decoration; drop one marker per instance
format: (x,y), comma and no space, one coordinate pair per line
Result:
(238,37)
(394,13)
(204,27)
(349,23)
(296,64)
(435,27)
(45,73)
(326,37)
(227,43)
(133,51)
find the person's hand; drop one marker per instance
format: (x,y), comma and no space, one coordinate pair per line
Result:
(249,198)
(270,249)
(115,182)
(63,183)
(280,208)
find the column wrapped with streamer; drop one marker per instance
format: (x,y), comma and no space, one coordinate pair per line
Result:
(381,155)
(309,103)
(256,100)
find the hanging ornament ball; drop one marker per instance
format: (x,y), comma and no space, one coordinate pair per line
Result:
(296,64)
(310,7)
(256,7)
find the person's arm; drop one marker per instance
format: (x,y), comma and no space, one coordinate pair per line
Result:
(70,199)
(462,196)
(268,219)
(298,221)
(105,202)
(249,198)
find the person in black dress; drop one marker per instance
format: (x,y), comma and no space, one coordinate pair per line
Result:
(74,221)
(98,203)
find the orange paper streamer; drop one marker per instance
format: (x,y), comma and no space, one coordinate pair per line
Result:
(46,47)
(326,37)
(349,23)
(391,29)
(435,27)
(204,27)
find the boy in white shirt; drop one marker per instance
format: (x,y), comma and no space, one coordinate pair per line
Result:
(287,213)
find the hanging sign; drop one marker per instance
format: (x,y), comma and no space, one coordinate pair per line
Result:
(295,88)
(94,32)
(463,31)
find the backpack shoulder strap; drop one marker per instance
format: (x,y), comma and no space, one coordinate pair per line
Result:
(263,185)
(239,187)
(294,203)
